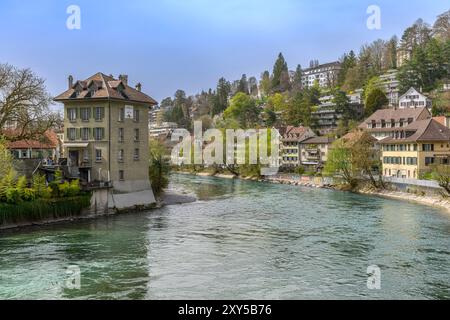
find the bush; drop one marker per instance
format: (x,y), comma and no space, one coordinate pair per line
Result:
(28,194)
(12,195)
(300,170)
(74,188)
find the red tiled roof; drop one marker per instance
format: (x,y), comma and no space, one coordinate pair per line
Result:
(49,141)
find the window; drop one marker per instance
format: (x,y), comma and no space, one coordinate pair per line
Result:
(85,114)
(121,175)
(136,154)
(429,161)
(99,133)
(98,154)
(428,147)
(121,135)
(72,134)
(136,134)
(85,155)
(99,113)
(85,134)
(120,155)
(122,114)
(72,114)
(136,115)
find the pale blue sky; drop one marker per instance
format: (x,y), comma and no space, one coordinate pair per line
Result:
(190,44)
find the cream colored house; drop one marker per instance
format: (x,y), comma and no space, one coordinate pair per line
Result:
(314,151)
(414,149)
(106,132)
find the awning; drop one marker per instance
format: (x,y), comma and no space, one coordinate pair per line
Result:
(75,145)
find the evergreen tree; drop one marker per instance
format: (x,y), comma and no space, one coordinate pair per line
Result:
(280,69)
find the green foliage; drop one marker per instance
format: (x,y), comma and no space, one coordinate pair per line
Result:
(6,182)
(428,65)
(40,188)
(41,209)
(243,109)
(12,195)
(159,167)
(376,99)
(21,185)
(280,69)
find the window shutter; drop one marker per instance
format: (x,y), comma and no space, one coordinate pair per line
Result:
(102,112)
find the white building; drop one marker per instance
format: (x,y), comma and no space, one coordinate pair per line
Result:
(164,129)
(325,74)
(414,99)
(389,84)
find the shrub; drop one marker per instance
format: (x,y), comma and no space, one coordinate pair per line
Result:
(40,188)
(21,185)
(12,195)
(64,189)
(28,194)
(74,188)
(300,170)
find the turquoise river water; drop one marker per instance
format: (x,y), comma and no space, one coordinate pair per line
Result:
(240,240)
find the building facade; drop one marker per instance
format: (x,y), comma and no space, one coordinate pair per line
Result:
(324,74)
(326,117)
(414,99)
(106,132)
(390,85)
(415,149)
(314,151)
(291,139)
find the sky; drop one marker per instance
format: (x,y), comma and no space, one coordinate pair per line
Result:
(189,44)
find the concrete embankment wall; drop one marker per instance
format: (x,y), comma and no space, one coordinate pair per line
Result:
(425,187)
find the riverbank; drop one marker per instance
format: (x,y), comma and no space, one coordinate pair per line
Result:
(166,199)
(314,182)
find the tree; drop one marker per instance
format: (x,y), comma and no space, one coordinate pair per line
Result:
(243,109)
(390,55)
(6,158)
(243,85)
(223,92)
(159,167)
(353,158)
(348,61)
(441,173)
(297,80)
(339,163)
(24,104)
(280,69)
(265,84)
(376,99)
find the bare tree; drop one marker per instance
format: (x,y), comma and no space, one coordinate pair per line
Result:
(24,104)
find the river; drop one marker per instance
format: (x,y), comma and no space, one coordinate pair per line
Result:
(240,240)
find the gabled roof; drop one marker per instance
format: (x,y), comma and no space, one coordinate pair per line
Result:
(291,133)
(106,87)
(319,140)
(410,91)
(423,131)
(355,136)
(394,114)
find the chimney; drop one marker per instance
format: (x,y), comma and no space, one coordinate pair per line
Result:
(70,82)
(139,87)
(124,78)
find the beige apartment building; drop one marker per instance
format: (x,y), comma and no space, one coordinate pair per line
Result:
(415,149)
(106,132)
